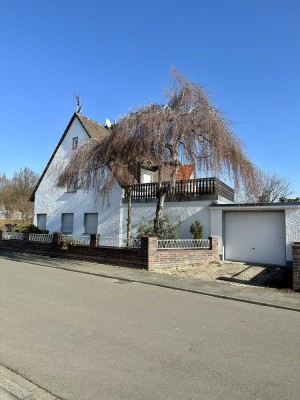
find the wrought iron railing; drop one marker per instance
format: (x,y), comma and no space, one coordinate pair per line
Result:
(13,236)
(81,240)
(183,244)
(185,189)
(40,237)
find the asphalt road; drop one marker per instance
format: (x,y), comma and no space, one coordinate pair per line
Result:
(85,337)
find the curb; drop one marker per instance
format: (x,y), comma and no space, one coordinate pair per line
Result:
(14,387)
(125,274)
(195,291)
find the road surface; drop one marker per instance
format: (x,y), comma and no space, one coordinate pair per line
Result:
(86,337)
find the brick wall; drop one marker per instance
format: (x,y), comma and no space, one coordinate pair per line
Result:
(147,257)
(296,266)
(159,258)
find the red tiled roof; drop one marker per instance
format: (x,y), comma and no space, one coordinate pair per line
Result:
(184,172)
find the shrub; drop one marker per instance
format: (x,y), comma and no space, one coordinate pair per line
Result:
(66,243)
(196,230)
(29,228)
(165,229)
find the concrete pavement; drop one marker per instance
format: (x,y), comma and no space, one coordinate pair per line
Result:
(252,295)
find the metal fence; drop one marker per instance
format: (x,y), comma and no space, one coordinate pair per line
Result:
(183,244)
(81,240)
(12,236)
(40,237)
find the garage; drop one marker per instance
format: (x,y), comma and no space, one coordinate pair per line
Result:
(255,236)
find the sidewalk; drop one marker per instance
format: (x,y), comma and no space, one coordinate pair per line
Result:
(253,295)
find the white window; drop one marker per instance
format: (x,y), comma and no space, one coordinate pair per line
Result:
(41,221)
(75,143)
(67,221)
(146,176)
(91,223)
(72,186)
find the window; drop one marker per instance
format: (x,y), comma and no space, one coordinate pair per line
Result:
(147,177)
(67,221)
(75,143)
(72,186)
(91,223)
(41,221)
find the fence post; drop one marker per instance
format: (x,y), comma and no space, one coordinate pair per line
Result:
(55,240)
(296,266)
(1,234)
(149,248)
(8,227)
(94,240)
(26,237)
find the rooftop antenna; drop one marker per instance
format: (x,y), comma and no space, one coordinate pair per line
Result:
(78,105)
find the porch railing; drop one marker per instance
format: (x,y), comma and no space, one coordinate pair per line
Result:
(183,189)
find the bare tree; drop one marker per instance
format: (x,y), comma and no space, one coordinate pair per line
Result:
(97,165)
(187,127)
(15,193)
(268,188)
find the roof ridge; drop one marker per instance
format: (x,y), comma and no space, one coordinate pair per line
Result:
(89,119)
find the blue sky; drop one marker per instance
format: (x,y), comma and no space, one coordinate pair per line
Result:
(117,55)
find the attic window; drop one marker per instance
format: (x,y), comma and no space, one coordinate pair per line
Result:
(75,143)
(72,186)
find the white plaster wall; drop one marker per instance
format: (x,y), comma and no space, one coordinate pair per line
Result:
(186,211)
(54,201)
(292,229)
(217,228)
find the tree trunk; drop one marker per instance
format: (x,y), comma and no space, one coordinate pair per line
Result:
(159,207)
(129,214)
(173,178)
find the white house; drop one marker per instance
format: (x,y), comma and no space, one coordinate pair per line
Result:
(249,233)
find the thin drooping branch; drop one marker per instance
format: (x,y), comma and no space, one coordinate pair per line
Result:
(188,127)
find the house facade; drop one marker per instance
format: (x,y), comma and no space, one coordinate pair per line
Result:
(71,210)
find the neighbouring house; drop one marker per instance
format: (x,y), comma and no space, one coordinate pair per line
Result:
(254,233)
(17,215)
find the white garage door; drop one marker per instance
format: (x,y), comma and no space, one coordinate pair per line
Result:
(255,237)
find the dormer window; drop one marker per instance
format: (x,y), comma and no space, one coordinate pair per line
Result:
(75,143)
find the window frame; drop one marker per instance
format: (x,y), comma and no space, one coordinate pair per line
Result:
(62,223)
(75,143)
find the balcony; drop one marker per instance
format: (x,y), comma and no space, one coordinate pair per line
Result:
(184,190)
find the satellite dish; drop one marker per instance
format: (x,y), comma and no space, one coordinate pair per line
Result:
(108,123)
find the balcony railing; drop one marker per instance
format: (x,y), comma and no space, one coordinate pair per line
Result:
(184,190)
